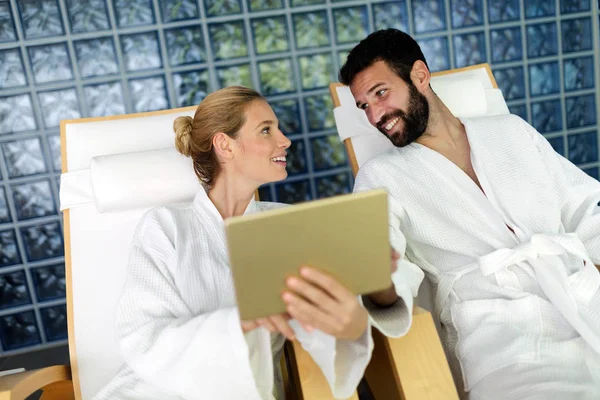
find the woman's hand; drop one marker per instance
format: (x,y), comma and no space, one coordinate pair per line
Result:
(273,323)
(317,300)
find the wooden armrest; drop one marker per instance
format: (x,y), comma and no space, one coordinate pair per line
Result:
(55,382)
(413,367)
(303,379)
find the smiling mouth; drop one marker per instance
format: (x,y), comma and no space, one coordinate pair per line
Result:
(391,124)
(279,160)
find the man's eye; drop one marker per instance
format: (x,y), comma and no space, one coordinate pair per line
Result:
(364,106)
(381,92)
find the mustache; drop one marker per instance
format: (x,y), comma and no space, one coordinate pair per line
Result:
(389,117)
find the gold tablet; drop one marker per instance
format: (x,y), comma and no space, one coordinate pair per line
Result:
(345,236)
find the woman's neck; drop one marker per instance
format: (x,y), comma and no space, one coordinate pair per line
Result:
(230,196)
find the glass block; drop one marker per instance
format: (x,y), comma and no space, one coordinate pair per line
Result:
(329,186)
(503,10)
(33,200)
(235,75)
(506,44)
(328,152)
(96,57)
(343,56)
(9,250)
(511,81)
(593,172)
(547,116)
(558,144)
(576,35)
(40,18)
(43,241)
(544,79)
(4,210)
(19,330)
(11,69)
(133,12)
(178,10)
(276,77)
(54,146)
(466,13)
(436,52)
(17,114)
(87,15)
(148,94)
(222,7)
(573,6)
(50,63)
(351,24)
(579,73)
(7,25)
(583,147)
(296,158)
(539,8)
(191,87)
(319,112)
(13,290)
(24,157)
(316,70)
(140,51)
(104,99)
(293,192)
(288,114)
(311,29)
(391,15)
(258,5)
(228,40)
(185,45)
(49,282)
(542,40)
(264,193)
(581,111)
(270,35)
(469,49)
(57,105)
(519,109)
(428,15)
(297,3)
(54,320)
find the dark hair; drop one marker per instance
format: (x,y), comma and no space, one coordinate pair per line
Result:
(398,49)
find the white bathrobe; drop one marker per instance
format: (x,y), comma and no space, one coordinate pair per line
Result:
(520,311)
(179,328)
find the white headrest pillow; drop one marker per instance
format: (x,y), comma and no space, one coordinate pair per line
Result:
(142,179)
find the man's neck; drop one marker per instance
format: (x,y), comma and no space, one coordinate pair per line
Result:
(444,130)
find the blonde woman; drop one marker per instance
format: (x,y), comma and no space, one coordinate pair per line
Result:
(178,325)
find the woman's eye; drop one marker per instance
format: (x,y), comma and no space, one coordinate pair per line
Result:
(266,131)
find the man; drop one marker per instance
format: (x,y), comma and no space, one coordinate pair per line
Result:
(507,230)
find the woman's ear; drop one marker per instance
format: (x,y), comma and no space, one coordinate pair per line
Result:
(222,144)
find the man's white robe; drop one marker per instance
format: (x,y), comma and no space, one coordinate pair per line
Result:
(520,312)
(179,328)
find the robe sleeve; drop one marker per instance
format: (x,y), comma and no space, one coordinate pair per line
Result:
(343,362)
(395,320)
(195,356)
(579,194)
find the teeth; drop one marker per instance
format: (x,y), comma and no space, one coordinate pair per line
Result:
(391,124)
(275,159)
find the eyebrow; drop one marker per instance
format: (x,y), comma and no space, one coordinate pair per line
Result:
(266,122)
(373,88)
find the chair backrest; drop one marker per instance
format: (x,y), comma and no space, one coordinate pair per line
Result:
(467,92)
(114,170)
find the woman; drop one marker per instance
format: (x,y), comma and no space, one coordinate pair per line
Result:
(178,325)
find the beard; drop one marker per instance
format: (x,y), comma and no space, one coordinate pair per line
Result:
(414,119)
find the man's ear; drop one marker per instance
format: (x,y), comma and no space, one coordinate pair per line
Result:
(420,75)
(222,144)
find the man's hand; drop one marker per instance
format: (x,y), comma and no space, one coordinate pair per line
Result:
(387,297)
(273,323)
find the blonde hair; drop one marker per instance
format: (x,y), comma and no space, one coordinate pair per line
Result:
(221,111)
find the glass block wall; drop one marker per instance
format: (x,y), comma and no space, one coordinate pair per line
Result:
(76,58)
